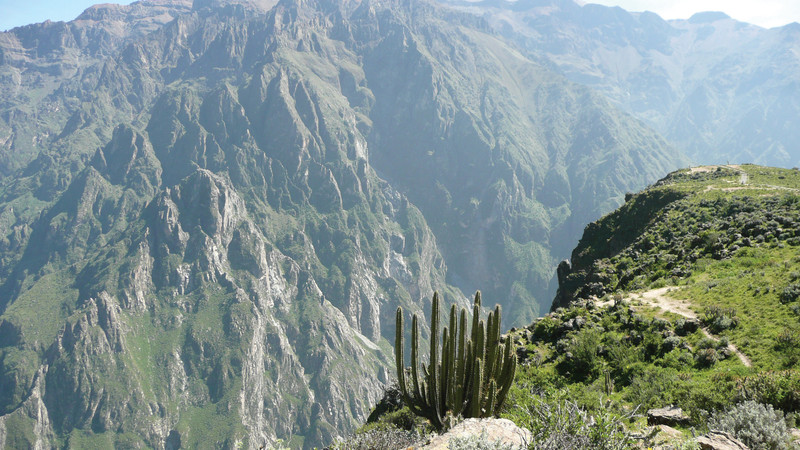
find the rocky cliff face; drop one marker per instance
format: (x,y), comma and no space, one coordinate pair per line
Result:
(208,221)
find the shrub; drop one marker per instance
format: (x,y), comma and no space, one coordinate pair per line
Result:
(378,439)
(757,426)
(581,359)
(391,401)
(706,357)
(652,344)
(671,343)
(703,395)
(787,339)
(652,389)
(779,389)
(545,327)
(684,327)
(790,293)
(720,319)
(624,359)
(558,423)
(706,342)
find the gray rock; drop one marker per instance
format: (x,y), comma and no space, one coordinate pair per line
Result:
(719,440)
(503,430)
(671,415)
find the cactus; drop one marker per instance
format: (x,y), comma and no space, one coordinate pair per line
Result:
(469,378)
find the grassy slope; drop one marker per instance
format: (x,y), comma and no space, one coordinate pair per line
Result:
(727,244)
(721,242)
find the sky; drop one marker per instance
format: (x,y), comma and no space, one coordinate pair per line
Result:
(765,13)
(14,13)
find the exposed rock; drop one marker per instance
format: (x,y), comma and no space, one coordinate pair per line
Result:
(719,440)
(564,295)
(34,412)
(576,323)
(671,415)
(667,434)
(502,430)
(795,433)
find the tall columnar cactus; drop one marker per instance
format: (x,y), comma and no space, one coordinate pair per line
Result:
(469,378)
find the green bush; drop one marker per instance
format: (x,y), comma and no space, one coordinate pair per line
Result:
(545,328)
(380,438)
(652,389)
(670,343)
(558,423)
(700,395)
(790,293)
(581,359)
(758,426)
(706,357)
(719,319)
(780,389)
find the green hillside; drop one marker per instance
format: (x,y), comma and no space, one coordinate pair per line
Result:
(687,295)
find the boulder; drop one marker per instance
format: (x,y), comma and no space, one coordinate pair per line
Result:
(502,430)
(720,440)
(671,415)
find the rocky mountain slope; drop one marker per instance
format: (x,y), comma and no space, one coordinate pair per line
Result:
(209,212)
(721,90)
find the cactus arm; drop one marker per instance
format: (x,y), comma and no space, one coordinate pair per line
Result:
(490,400)
(398,354)
(452,358)
(459,380)
(444,393)
(480,343)
(476,315)
(434,376)
(415,358)
(477,389)
(506,380)
(469,363)
(491,347)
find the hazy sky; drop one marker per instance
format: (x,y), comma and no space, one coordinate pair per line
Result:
(14,13)
(766,13)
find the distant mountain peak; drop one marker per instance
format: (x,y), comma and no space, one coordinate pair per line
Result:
(708,17)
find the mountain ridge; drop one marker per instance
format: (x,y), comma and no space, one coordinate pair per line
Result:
(719,89)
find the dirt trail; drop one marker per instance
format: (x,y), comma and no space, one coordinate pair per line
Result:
(658,298)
